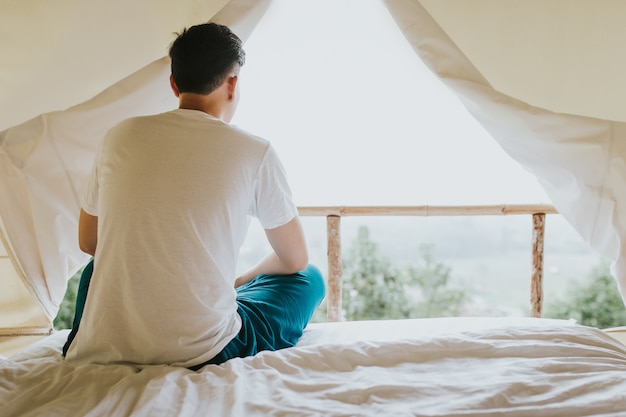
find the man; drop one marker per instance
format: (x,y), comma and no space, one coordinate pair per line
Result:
(164,214)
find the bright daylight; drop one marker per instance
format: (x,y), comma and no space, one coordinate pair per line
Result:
(359,120)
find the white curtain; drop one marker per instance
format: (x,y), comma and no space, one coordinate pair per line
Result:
(578,160)
(44,162)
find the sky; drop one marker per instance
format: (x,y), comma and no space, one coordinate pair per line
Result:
(357,119)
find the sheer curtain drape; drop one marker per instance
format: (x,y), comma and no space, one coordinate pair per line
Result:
(578,160)
(44,163)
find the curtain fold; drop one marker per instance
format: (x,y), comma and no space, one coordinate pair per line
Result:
(578,160)
(45,161)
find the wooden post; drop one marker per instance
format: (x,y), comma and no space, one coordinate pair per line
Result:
(334,213)
(333,291)
(536,279)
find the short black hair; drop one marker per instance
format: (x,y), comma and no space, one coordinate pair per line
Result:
(202,57)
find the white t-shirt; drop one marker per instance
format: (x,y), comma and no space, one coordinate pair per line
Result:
(173,194)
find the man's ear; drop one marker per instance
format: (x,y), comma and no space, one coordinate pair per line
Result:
(174,87)
(232,86)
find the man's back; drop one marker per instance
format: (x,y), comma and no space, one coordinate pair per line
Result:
(174,194)
(164,215)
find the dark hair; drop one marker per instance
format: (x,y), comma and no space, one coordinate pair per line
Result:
(203,56)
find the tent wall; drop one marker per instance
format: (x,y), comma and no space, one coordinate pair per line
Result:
(17,309)
(566,56)
(562,55)
(579,160)
(56,54)
(45,161)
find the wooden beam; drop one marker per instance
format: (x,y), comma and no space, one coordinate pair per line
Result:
(333,216)
(536,279)
(493,210)
(333,290)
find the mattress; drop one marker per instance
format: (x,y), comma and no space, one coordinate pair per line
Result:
(415,367)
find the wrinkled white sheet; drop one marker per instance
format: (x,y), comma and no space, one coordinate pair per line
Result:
(421,367)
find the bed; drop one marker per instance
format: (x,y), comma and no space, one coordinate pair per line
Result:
(413,367)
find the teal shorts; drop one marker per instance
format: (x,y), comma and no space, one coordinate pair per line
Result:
(274,311)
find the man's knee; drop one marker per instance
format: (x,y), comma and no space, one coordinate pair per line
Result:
(315,278)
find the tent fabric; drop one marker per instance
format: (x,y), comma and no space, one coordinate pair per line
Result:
(44,161)
(561,55)
(59,54)
(578,160)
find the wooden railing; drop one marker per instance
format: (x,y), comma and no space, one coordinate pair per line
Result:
(334,214)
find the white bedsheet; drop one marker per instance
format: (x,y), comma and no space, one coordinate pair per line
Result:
(421,367)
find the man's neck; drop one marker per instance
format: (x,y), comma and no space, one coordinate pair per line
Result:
(202,103)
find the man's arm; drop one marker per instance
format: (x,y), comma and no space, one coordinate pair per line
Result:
(87,232)
(290,253)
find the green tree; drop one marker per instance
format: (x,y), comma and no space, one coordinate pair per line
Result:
(373,288)
(595,302)
(65,315)
(436,297)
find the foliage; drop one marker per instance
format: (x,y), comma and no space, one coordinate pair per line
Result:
(595,302)
(436,296)
(373,288)
(65,316)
